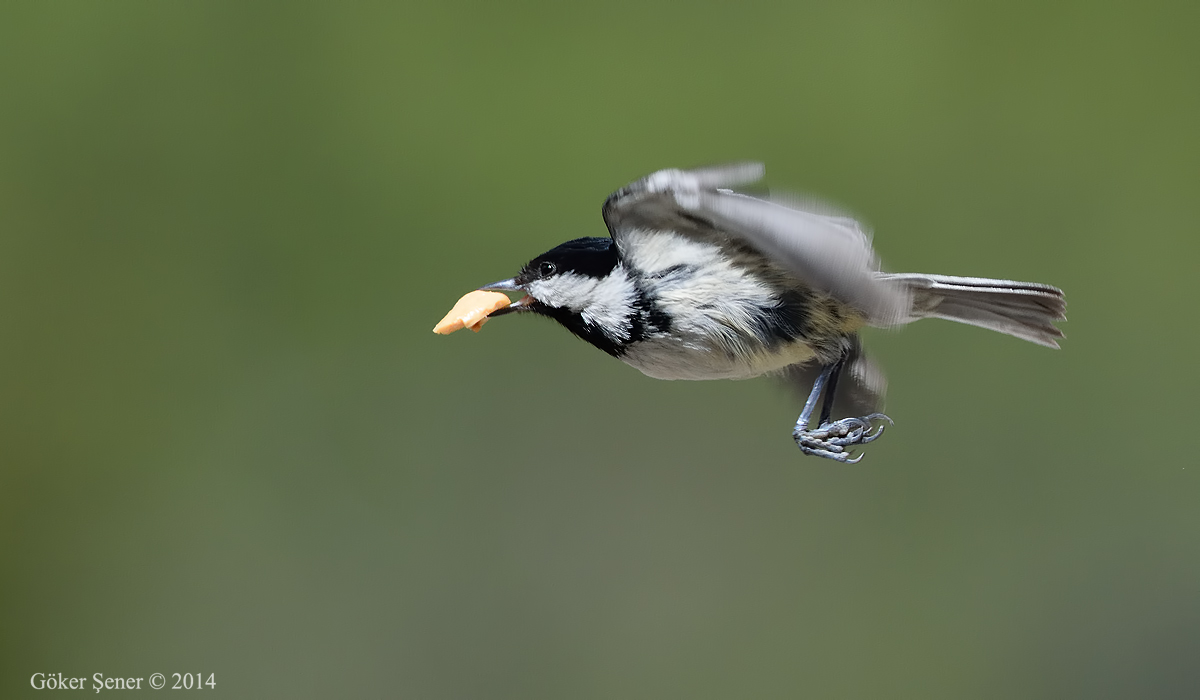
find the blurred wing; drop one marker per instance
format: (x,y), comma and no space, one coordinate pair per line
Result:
(829,252)
(860,389)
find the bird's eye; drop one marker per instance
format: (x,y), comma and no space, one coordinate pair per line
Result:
(546,269)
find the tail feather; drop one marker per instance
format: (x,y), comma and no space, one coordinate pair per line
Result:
(1026,310)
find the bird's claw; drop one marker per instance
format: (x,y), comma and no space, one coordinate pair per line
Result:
(831,439)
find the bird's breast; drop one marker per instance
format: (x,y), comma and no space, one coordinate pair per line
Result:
(675,357)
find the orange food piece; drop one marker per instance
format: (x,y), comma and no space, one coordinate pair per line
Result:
(471,311)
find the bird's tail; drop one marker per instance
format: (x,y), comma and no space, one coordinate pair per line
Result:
(1026,310)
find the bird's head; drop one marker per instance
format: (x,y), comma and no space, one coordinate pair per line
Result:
(582,285)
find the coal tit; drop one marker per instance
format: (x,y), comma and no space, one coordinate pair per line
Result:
(696,281)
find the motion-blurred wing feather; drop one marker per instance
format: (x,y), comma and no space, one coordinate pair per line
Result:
(830,253)
(860,390)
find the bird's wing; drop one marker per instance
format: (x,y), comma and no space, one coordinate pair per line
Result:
(831,253)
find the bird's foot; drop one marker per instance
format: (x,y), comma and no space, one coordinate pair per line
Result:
(831,439)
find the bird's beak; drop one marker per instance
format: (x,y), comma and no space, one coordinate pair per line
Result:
(508,285)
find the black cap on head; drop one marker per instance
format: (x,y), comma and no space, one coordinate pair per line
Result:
(593,257)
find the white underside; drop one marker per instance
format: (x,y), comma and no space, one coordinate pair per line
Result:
(672,357)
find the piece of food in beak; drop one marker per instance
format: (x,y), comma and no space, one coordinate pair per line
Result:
(471,311)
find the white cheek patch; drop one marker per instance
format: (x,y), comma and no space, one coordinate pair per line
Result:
(605,302)
(560,292)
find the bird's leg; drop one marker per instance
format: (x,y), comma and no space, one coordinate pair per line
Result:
(830,440)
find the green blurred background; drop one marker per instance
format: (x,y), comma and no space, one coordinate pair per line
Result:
(229,442)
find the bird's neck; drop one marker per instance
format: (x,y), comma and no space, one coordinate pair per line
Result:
(608,312)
